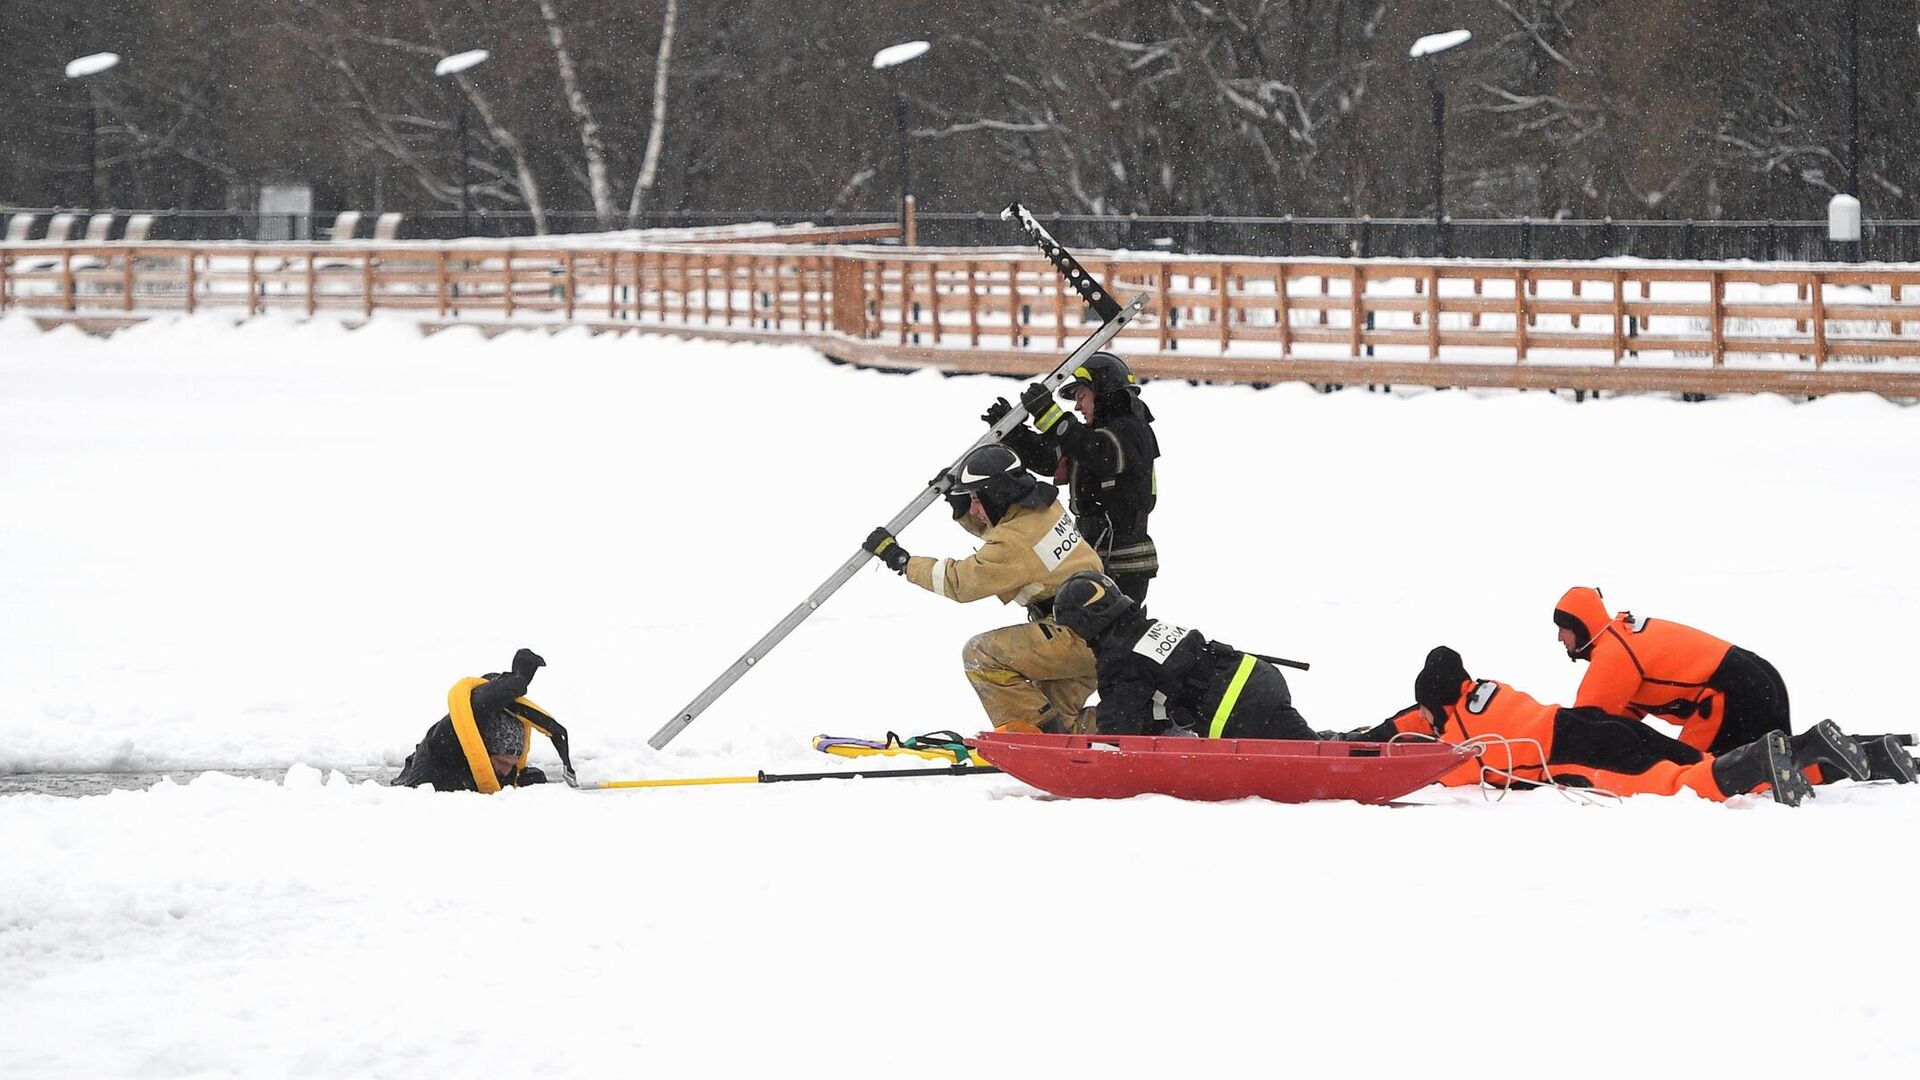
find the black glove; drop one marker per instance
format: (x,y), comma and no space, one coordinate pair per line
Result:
(1041,408)
(526,662)
(887,549)
(996,411)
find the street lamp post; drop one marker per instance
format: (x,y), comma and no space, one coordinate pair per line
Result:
(84,68)
(449,66)
(886,60)
(1430,46)
(1853,98)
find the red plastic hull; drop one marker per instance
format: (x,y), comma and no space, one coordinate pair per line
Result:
(1211,770)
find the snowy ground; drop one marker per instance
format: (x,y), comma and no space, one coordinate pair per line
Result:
(275,546)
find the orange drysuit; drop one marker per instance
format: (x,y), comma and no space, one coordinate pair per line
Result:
(1720,695)
(1546,742)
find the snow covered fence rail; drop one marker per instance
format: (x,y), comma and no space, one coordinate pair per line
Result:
(1612,325)
(1623,325)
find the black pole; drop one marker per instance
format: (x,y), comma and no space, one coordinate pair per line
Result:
(881,773)
(1853,98)
(462,125)
(900,116)
(1439,162)
(93,149)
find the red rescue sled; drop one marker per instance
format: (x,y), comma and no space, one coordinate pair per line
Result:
(1283,770)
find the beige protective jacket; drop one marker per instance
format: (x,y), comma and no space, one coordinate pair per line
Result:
(1023,559)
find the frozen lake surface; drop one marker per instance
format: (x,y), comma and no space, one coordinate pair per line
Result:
(268,550)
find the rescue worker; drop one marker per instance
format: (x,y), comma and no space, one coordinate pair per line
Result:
(1106,463)
(1160,679)
(1030,676)
(482,743)
(1537,743)
(1720,694)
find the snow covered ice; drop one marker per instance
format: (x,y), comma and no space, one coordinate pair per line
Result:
(275,545)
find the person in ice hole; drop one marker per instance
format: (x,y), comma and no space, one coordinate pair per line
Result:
(482,743)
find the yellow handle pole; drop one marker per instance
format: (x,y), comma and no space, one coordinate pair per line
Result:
(685,782)
(955,769)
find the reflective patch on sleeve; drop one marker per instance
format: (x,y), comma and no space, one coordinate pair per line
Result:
(1160,707)
(1160,640)
(1482,696)
(940,577)
(1119,451)
(1059,542)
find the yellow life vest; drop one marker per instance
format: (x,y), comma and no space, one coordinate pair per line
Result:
(474,748)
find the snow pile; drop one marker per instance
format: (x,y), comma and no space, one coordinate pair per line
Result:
(277,544)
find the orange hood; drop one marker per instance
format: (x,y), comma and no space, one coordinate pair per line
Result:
(1582,610)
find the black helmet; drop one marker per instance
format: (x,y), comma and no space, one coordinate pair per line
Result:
(1089,604)
(1440,681)
(984,463)
(1106,374)
(994,473)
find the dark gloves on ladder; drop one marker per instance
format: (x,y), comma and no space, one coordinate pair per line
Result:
(885,547)
(1042,410)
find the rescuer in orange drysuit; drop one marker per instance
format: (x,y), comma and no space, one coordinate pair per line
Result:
(1719,694)
(1535,743)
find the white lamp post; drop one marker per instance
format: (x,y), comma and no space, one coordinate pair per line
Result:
(1430,46)
(84,68)
(454,65)
(886,60)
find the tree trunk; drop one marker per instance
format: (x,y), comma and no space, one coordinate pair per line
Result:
(529,187)
(649,166)
(596,151)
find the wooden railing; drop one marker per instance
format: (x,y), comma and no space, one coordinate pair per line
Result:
(1689,327)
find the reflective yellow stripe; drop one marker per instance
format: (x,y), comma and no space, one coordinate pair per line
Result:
(460,708)
(1228,699)
(1046,422)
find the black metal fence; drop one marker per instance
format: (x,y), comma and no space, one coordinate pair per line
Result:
(1522,238)
(1408,238)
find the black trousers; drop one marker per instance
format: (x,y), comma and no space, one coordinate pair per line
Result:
(1598,740)
(1134,585)
(1755,701)
(1265,709)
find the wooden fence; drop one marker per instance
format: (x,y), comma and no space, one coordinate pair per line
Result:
(1807,329)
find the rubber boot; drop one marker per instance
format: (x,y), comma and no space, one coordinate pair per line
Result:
(1887,759)
(1766,760)
(1837,754)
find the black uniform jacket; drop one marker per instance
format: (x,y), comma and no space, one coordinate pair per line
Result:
(1108,469)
